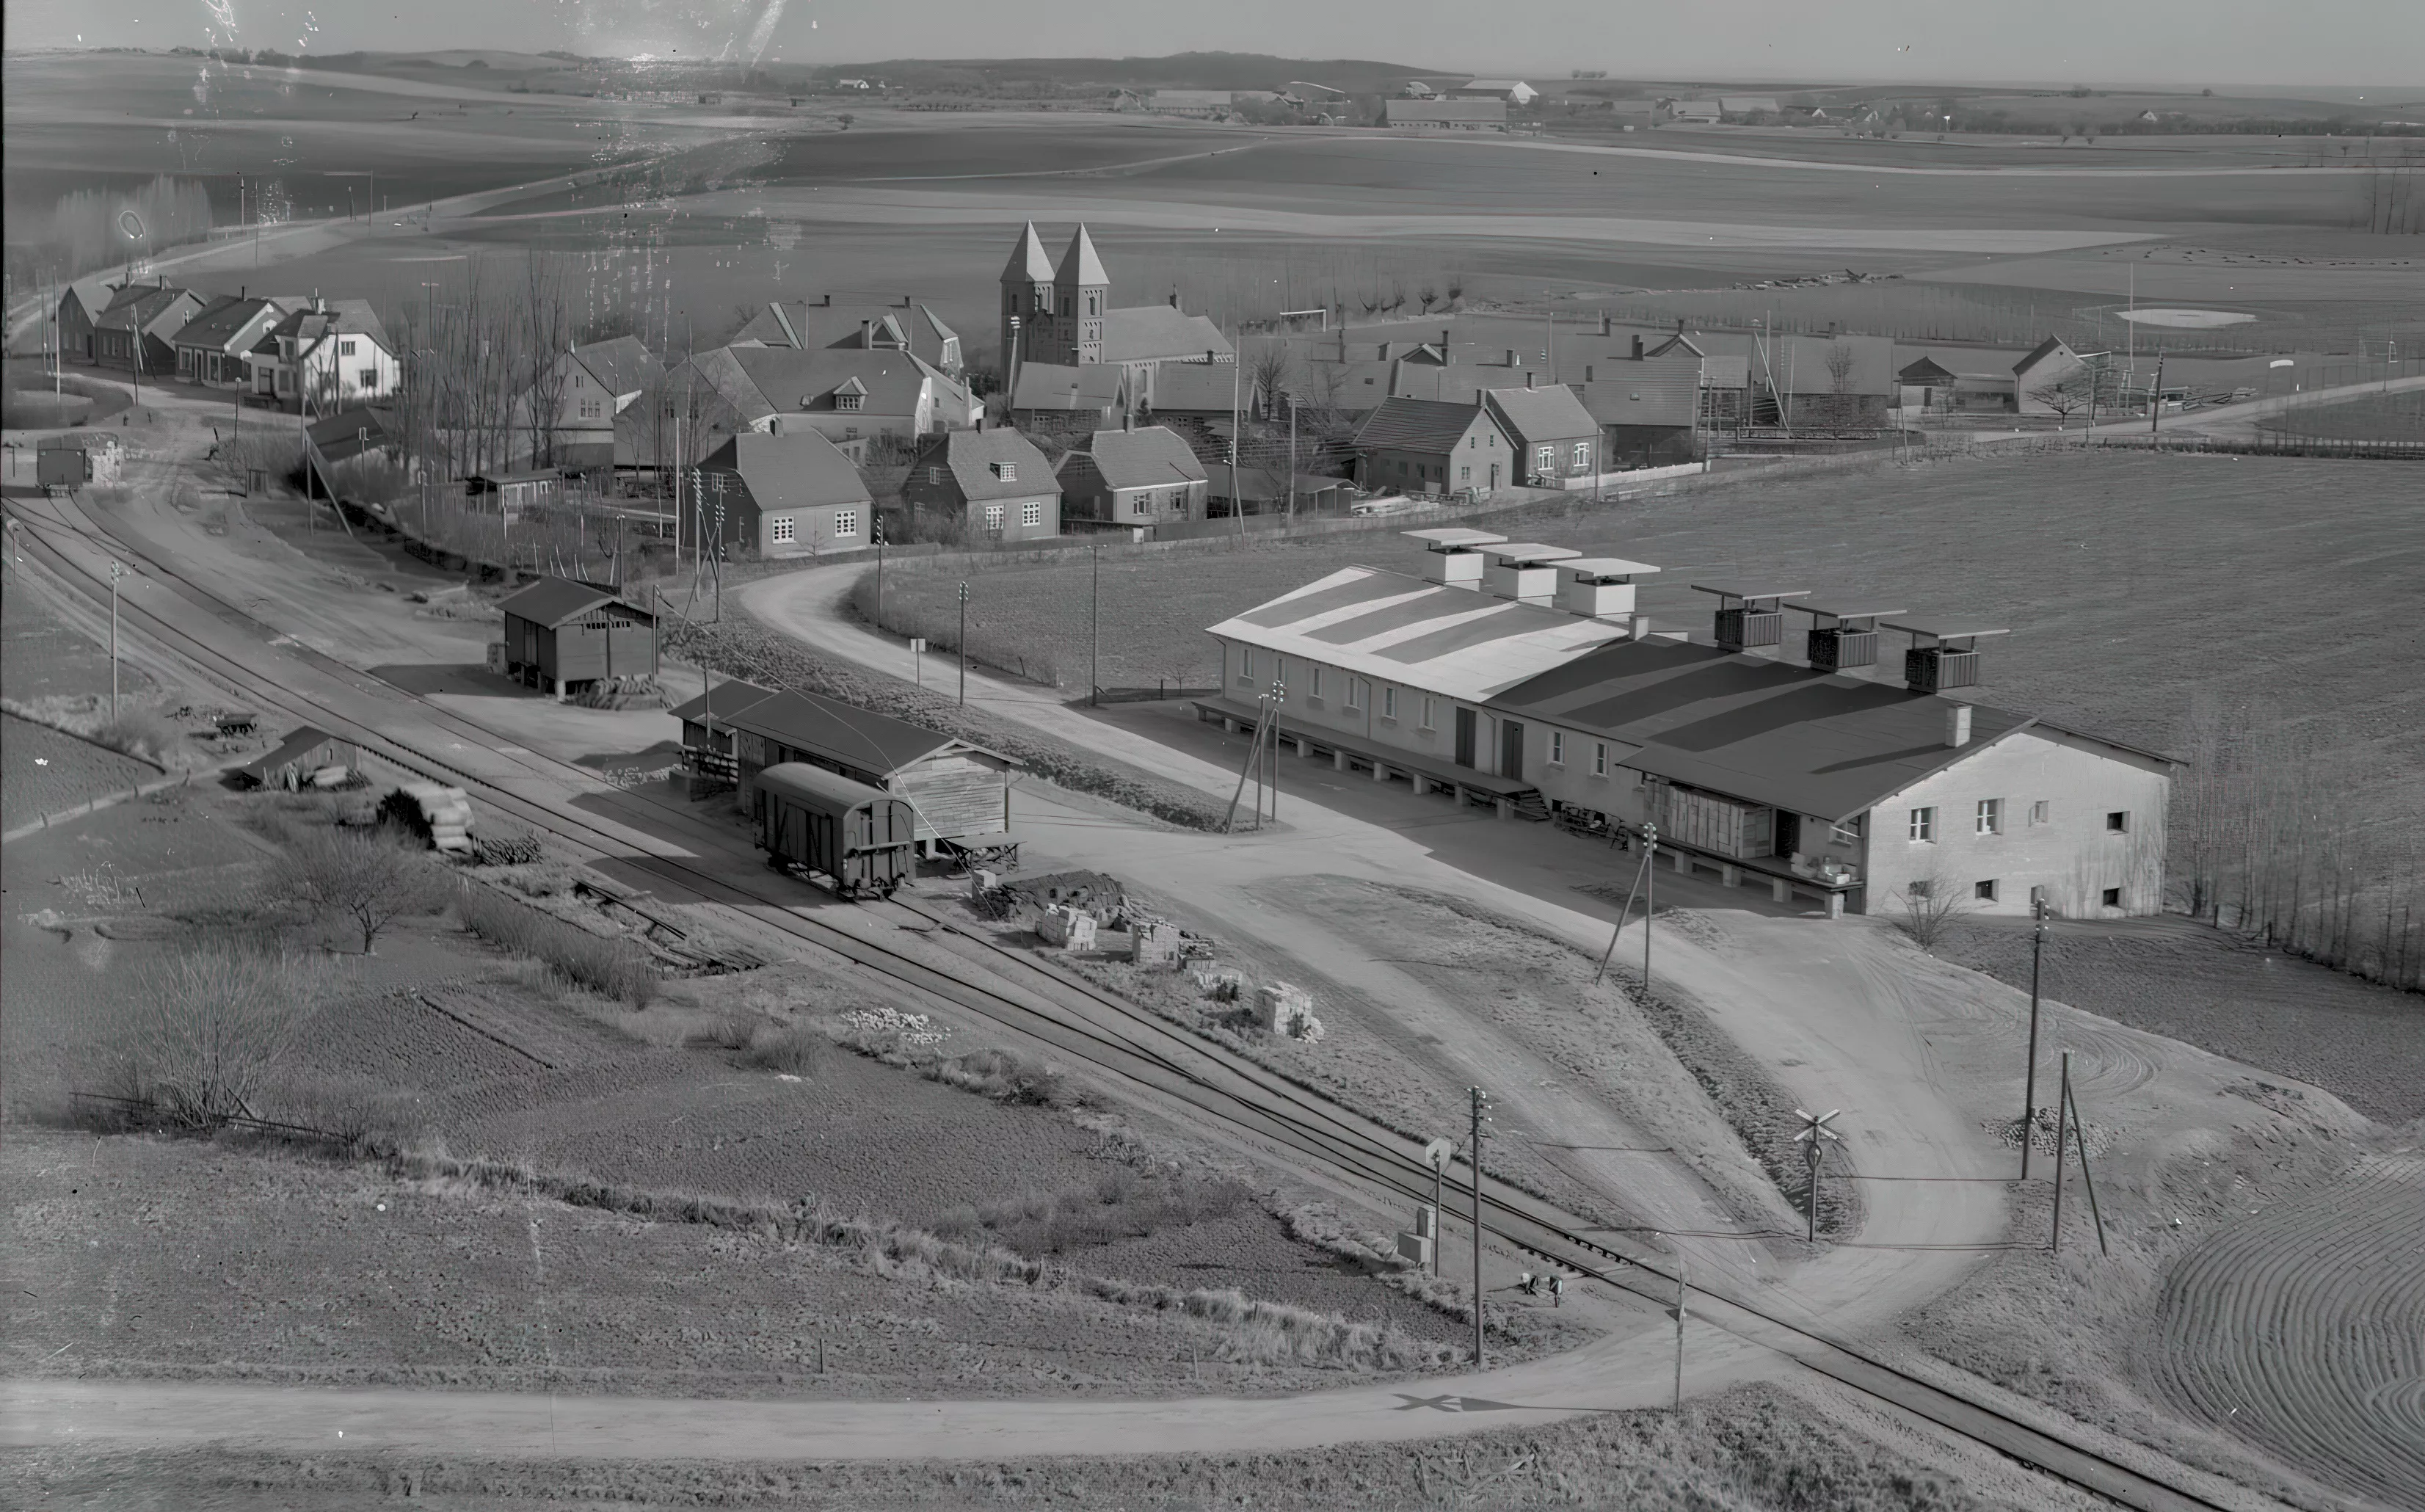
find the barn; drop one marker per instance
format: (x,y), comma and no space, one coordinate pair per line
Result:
(961,792)
(561,632)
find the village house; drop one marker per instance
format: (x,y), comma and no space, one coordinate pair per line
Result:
(136,331)
(1511,91)
(1433,447)
(1646,407)
(843,394)
(1269,490)
(2050,364)
(328,355)
(994,484)
(562,633)
(788,494)
(592,386)
(1551,435)
(1057,400)
(214,347)
(1201,390)
(80,304)
(959,792)
(908,327)
(1134,479)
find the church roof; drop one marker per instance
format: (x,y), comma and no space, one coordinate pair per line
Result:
(1080,265)
(1028,263)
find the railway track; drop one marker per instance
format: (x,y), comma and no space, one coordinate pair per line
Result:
(1075,1018)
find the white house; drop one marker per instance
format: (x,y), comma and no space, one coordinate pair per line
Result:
(331,355)
(1514,91)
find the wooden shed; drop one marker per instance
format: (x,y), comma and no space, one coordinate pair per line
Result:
(561,632)
(961,792)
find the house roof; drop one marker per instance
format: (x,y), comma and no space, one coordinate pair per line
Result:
(1028,263)
(1267,482)
(219,324)
(1926,370)
(847,734)
(621,365)
(309,327)
(1399,629)
(759,382)
(2048,348)
(909,328)
(1547,414)
(1148,456)
(1649,392)
(722,702)
(1417,424)
(139,306)
(1079,265)
(1203,388)
(554,601)
(975,456)
(349,434)
(1056,386)
(92,294)
(797,470)
(1147,332)
(1805,740)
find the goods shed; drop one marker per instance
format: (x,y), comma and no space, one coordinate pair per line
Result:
(961,791)
(561,632)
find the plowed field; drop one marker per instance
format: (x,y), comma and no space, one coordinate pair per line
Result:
(2302,1328)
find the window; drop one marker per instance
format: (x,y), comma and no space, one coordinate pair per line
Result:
(847,401)
(2038,811)
(1990,820)
(1031,514)
(1918,887)
(1544,459)
(1923,823)
(1557,747)
(934,478)
(1465,474)
(1848,832)
(1358,690)
(588,407)
(2113,897)
(345,349)
(993,517)
(1583,456)
(577,381)
(370,377)
(1599,758)
(1245,664)
(1008,471)
(845,523)
(780,529)
(1315,680)
(1984,892)
(1431,711)
(2118,821)
(1389,704)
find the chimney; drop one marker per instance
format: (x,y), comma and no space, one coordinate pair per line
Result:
(1957,725)
(866,332)
(1528,380)
(904,302)
(1174,299)
(828,301)
(1607,325)
(1679,325)
(1637,348)
(1385,350)
(1511,357)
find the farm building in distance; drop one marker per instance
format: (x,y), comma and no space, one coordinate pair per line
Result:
(792,494)
(1446,115)
(1433,446)
(1132,479)
(961,791)
(1543,694)
(993,484)
(561,633)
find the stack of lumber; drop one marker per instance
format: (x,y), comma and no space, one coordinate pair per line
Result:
(440,814)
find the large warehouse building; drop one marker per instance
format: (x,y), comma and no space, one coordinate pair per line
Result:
(1517,675)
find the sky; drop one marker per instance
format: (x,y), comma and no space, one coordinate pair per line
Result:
(2209,44)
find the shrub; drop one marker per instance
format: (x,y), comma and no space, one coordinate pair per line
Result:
(368,876)
(796,1051)
(616,968)
(143,734)
(1119,1205)
(213,1023)
(363,1116)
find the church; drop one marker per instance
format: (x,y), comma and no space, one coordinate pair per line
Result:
(1062,316)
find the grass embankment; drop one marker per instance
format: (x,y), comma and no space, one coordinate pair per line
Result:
(613,968)
(770,660)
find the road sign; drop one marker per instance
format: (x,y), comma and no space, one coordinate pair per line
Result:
(918,646)
(1439,1152)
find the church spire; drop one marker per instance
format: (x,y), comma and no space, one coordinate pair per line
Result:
(1080,265)
(1028,263)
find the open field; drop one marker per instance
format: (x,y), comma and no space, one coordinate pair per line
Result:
(2390,417)
(2365,1044)
(48,771)
(2133,584)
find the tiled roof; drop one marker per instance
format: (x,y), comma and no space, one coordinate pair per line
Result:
(846,735)
(976,457)
(551,600)
(1149,332)
(1057,386)
(221,321)
(1147,457)
(1202,388)
(722,702)
(1456,642)
(1417,425)
(797,470)
(624,364)
(1551,413)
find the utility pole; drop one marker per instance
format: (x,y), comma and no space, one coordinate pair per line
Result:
(1682,1288)
(1095,629)
(964,644)
(1478,1098)
(117,570)
(1237,500)
(2156,396)
(1291,512)
(1272,756)
(2029,1077)
(2062,1132)
(1623,915)
(879,572)
(1439,1152)
(2079,1137)
(1650,898)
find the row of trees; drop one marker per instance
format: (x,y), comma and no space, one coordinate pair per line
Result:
(2273,836)
(96,229)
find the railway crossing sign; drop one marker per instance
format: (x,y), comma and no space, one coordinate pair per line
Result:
(1813,1138)
(1438,1153)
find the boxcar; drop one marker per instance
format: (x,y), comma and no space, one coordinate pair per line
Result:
(819,821)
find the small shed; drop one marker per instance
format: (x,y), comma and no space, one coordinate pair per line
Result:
(960,790)
(511,493)
(561,632)
(707,724)
(300,755)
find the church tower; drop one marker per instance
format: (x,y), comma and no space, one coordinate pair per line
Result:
(1081,290)
(1027,296)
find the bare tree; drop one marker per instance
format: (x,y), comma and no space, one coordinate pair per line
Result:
(2062,398)
(1841,360)
(1397,297)
(215,1023)
(546,340)
(370,879)
(1273,368)
(1927,908)
(1427,297)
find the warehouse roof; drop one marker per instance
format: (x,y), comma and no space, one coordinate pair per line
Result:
(847,734)
(722,702)
(554,601)
(1403,630)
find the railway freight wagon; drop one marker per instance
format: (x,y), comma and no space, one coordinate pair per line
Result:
(862,837)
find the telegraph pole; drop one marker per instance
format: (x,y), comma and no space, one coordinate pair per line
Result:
(879,571)
(2030,1078)
(1478,1098)
(964,644)
(1649,896)
(117,570)
(2062,1132)
(2156,396)
(1814,1135)
(1095,629)
(1682,1290)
